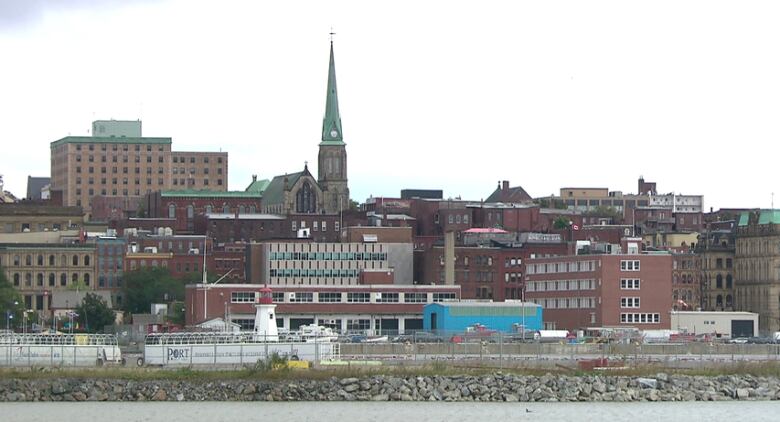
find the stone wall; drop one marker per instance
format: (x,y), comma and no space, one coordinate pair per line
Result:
(495,388)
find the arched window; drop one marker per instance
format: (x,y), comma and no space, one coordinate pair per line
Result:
(28,280)
(729,281)
(63,280)
(74,278)
(75,260)
(17,260)
(190,212)
(252,209)
(28,260)
(719,281)
(51,260)
(40,260)
(728,300)
(172,211)
(86,279)
(226,209)
(63,260)
(306,199)
(52,279)
(86,260)
(17,279)
(208,209)
(719,301)
(39,280)
(241,209)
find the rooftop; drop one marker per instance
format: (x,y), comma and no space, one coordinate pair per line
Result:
(195,193)
(109,140)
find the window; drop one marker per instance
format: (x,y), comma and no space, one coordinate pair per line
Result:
(629,302)
(242,297)
(171,211)
(444,297)
(629,284)
(358,297)
(637,318)
(358,324)
(330,297)
(302,297)
(629,265)
(415,297)
(335,226)
(324,226)
(388,298)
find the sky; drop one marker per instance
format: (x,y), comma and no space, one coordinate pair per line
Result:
(451,95)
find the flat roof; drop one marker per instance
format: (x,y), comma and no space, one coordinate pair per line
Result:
(193,193)
(110,140)
(327,286)
(223,216)
(488,304)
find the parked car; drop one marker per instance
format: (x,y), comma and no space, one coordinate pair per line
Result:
(738,340)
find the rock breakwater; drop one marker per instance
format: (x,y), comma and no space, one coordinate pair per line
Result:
(497,387)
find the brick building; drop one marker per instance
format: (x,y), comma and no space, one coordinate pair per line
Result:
(186,206)
(117,161)
(631,290)
(493,270)
(359,308)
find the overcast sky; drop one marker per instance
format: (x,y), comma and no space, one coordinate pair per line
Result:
(440,95)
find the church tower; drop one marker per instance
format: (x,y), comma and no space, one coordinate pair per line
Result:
(332,159)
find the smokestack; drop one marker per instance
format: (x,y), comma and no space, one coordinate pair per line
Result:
(449,258)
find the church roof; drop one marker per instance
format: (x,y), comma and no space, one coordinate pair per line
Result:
(274,192)
(258,186)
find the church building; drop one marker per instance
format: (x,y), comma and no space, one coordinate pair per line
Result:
(300,192)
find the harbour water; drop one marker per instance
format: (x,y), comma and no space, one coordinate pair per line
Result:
(388,411)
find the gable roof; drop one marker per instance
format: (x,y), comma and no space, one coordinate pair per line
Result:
(515,194)
(258,186)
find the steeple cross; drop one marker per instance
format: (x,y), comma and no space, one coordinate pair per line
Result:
(331,33)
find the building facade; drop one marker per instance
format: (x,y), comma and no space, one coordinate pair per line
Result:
(36,270)
(112,163)
(621,290)
(29,217)
(757,260)
(363,309)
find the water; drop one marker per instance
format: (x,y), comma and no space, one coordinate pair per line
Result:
(387,411)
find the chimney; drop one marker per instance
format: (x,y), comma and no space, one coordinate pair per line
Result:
(505,185)
(449,258)
(254,178)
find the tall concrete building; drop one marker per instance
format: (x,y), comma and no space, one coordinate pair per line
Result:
(117,161)
(758,267)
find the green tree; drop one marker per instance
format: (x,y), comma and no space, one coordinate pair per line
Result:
(94,313)
(561,223)
(150,285)
(11,302)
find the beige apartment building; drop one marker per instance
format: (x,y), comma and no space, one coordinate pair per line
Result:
(117,161)
(36,270)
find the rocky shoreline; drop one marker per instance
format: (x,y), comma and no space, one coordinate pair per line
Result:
(497,387)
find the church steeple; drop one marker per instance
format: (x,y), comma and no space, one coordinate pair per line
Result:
(331,123)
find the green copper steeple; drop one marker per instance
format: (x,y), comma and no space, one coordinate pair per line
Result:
(331,123)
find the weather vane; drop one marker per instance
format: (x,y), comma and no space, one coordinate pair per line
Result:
(331,33)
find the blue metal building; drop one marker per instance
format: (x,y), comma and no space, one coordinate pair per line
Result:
(499,316)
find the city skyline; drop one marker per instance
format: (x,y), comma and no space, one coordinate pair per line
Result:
(541,96)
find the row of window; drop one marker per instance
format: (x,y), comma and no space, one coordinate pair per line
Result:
(629,284)
(51,279)
(192,160)
(328,256)
(115,147)
(458,219)
(193,170)
(566,302)
(40,260)
(559,285)
(638,318)
(314,226)
(629,302)
(349,297)
(313,273)
(562,267)
(629,265)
